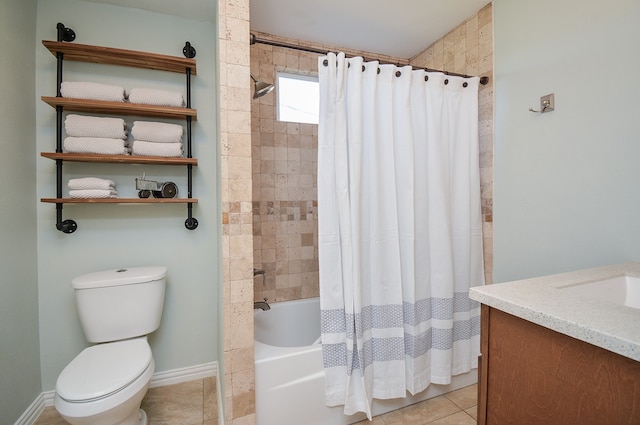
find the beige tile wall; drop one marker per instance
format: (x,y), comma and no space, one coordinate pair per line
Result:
(468,49)
(237,239)
(285,226)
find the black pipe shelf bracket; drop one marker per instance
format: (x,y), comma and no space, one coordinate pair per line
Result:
(191,222)
(65,34)
(65,226)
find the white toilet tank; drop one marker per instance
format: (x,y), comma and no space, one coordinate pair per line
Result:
(121,303)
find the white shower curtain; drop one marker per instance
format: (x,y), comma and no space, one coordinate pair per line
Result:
(400,229)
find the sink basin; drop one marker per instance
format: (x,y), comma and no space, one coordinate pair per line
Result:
(621,290)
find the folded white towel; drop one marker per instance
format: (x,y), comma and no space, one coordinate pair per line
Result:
(159,132)
(96,91)
(86,126)
(99,145)
(93,193)
(156,97)
(91,183)
(140,147)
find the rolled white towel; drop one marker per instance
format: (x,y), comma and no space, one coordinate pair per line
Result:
(96,91)
(86,126)
(159,132)
(140,147)
(93,193)
(156,97)
(98,145)
(91,183)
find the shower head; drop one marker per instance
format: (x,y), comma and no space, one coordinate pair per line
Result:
(260,88)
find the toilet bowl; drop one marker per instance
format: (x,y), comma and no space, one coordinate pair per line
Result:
(106,382)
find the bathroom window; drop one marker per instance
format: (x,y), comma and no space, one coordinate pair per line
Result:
(298,98)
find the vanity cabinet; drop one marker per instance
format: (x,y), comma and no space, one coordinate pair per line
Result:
(532,375)
(64,50)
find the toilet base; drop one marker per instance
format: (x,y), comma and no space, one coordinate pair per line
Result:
(136,418)
(143,417)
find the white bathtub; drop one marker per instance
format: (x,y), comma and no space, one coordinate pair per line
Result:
(290,376)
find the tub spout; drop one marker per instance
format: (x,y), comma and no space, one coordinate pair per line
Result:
(262,305)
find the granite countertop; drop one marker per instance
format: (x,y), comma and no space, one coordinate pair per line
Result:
(539,300)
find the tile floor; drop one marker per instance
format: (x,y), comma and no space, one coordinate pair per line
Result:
(454,408)
(194,403)
(188,403)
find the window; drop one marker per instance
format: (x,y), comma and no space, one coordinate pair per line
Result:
(298,98)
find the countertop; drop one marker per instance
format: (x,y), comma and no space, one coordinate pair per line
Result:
(607,325)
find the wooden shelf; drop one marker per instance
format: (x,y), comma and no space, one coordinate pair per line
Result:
(111,56)
(120,108)
(120,200)
(129,58)
(122,159)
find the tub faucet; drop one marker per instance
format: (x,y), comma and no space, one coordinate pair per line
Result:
(262,305)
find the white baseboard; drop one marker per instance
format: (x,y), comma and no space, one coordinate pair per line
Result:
(185,374)
(160,379)
(33,412)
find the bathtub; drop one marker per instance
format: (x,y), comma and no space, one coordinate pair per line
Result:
(289,373)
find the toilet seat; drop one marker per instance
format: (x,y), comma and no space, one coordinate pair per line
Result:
(102,370)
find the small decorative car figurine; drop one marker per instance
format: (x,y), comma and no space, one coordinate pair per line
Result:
(147,188)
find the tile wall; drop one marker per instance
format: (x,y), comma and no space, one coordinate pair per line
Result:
(237,235)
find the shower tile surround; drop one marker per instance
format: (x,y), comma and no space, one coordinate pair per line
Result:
(237,235)
(284,166)
(249,135)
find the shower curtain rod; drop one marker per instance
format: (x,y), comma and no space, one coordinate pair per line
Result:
(254,40)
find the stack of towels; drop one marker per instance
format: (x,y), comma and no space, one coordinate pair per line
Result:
(108,136)
(156,139)
(92,187)
(85,134)
(98,91)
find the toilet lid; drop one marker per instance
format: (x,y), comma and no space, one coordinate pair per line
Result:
(103,369)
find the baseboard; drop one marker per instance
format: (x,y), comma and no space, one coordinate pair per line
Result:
(159,379)
(185,374)
(33,412)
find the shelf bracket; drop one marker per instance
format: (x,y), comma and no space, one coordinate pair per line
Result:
(64,33)
(66,226)
(191,223)
(189,51)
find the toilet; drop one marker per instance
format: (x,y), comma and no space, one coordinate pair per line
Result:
(105,383)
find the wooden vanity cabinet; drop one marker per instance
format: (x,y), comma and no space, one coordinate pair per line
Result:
(531,375)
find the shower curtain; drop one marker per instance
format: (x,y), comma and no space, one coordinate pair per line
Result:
(400,229)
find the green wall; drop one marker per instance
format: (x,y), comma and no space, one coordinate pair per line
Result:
(19,346)
(39,330)
(567,191)
(113,236)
